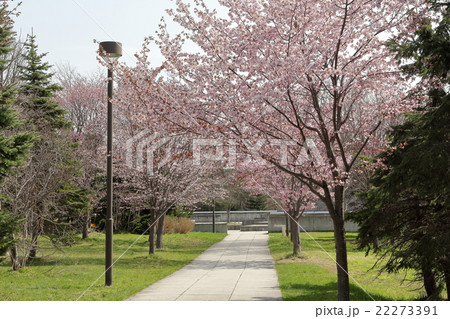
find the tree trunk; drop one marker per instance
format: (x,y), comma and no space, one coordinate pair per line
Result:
(295,238)
(14,258)
(86,226)
(447,283)
(337,214)
(376,244)
(85,232)
(429,282)
(151,235)
(287,225)
(33,249)
(160,232)
(341,259)
(151,240)
(36,229)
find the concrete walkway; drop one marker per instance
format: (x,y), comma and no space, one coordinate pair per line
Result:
(238,268)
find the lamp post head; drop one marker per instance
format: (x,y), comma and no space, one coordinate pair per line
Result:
(110,51)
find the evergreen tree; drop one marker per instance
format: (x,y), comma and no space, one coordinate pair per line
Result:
(13,146)
(9,225)
(46,191)
(37,90)
(256,202)
(407,217)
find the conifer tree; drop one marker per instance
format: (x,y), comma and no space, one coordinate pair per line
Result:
(407,213)
(256,202)
(46,191)
(14,146)
(38,91)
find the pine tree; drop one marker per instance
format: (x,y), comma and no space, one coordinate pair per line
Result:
(38,92)
(407,213)
(406,216)
(42,184)
(256,202)
(14,146)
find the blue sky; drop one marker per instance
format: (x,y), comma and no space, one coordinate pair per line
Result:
(66,28)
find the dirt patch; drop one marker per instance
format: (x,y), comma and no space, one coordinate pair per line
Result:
(309,260)
(292,260)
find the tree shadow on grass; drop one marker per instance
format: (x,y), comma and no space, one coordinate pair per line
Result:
(142,242)
(326,292)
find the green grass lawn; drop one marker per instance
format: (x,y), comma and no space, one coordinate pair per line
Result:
(66,275)
(312,275)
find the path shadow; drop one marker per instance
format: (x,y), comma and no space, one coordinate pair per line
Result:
(213,264)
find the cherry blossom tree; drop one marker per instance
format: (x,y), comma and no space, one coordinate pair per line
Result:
(315,73)
(84,98)
(288,193)
(155,161)
(172,180)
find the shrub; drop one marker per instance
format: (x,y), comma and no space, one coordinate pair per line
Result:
(178,225)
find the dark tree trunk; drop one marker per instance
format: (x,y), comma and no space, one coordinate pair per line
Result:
(429,282)
(85,232)
(33,249)
(151,235)
(14,258)
(151,240)
(86,226)
(337,214)
(295,238)
(36,228)
(287,225)
(160,232)
(341,259)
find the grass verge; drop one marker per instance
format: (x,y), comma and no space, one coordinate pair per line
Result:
(66,275)
(312,275)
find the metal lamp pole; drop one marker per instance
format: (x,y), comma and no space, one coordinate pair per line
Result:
(214,216)
(110,51)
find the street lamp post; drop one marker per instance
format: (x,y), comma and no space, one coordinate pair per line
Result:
(214,216)
(109,51)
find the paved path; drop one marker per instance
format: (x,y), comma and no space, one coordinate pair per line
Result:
(238,268)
